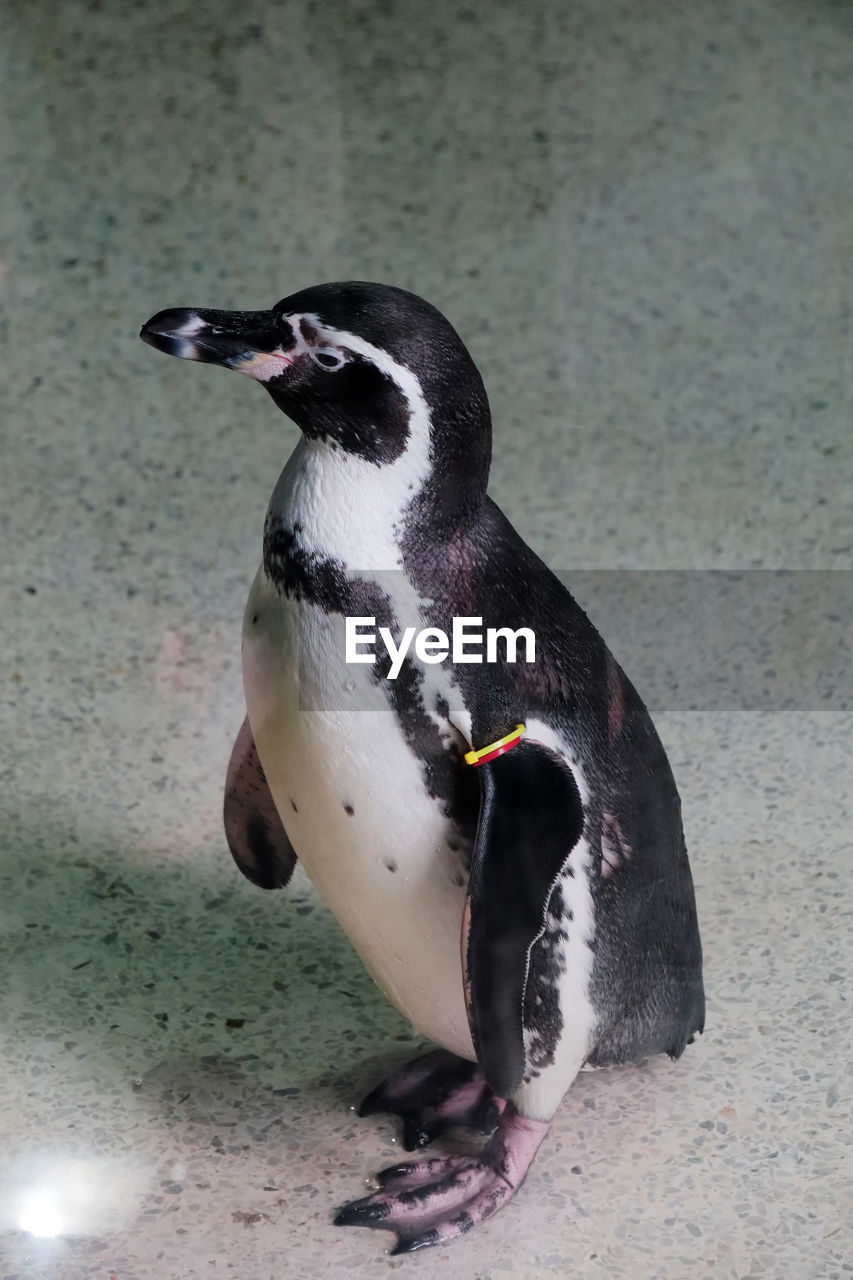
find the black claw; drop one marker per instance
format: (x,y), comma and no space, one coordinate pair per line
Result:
(416,1133)
(408,1244)
(373,1102)
(393,1171)
(359,1214)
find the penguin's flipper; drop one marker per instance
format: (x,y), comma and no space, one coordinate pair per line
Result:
(531,817)
(256,837)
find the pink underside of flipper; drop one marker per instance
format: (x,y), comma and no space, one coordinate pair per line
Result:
(255,833)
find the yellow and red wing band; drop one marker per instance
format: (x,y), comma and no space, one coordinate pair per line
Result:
(495,749)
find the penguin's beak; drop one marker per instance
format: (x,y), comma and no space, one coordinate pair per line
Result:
(243,340)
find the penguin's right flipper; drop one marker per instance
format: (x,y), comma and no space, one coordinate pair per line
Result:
(256,837)
(531,817)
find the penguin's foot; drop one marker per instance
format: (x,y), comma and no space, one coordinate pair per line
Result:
(436,1092)
(430,1201)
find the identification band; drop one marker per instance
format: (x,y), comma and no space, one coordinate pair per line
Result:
(495,749)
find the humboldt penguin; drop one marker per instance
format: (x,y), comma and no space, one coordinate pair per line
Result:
(500,838)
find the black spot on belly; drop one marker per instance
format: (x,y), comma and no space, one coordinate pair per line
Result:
(349,809)
(293,806)
(392,866)
(442,706)
(254,619)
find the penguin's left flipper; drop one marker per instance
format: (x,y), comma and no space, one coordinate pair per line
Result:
(255,833)
(531,817)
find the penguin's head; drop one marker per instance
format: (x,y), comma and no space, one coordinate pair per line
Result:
(366,369)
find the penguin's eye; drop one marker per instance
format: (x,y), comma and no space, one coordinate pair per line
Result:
(329,359)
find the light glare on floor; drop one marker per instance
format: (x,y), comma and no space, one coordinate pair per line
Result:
(40,1215)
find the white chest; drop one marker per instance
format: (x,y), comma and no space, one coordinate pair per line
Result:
(351,794)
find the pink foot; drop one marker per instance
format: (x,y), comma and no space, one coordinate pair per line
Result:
(436,1092)
(430,1201)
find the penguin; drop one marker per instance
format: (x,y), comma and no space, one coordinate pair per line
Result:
(501,840)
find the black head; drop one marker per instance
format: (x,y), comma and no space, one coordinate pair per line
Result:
(360,366)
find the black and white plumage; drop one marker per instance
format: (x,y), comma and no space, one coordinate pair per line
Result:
(561,866)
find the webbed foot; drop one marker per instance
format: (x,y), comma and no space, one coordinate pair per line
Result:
(434,1093)
(430,1201)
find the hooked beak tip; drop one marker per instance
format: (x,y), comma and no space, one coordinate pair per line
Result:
(172,331)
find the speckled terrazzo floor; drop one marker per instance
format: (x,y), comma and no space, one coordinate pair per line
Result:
(639,216)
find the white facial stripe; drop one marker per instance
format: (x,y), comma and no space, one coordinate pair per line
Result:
(351,510)
(417,452)
(265,365)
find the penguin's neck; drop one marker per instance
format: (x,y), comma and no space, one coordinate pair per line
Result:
(338,506)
